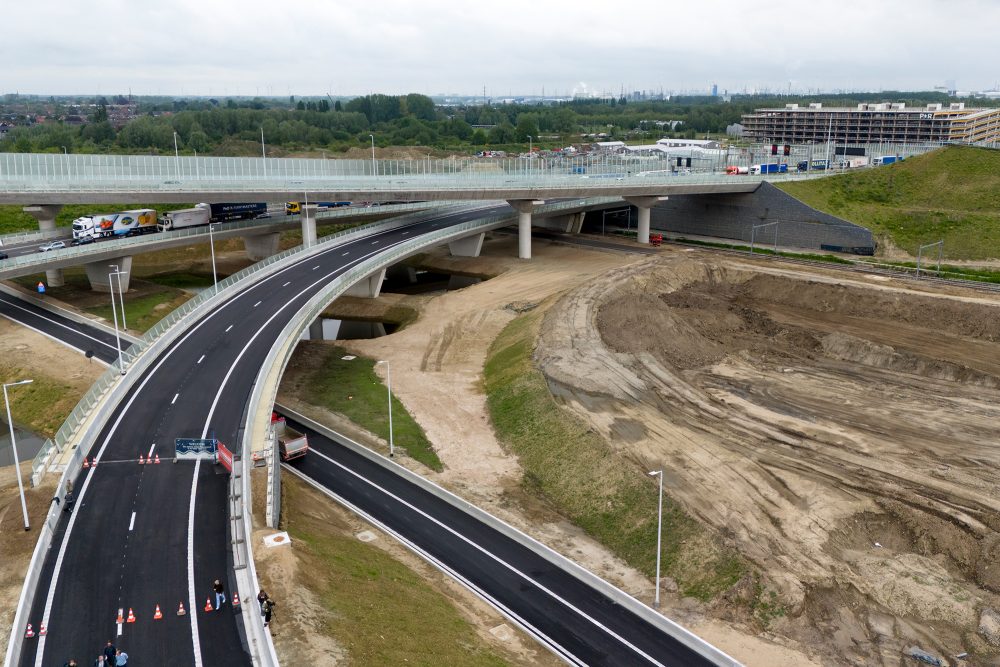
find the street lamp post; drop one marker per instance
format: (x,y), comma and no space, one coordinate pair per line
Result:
(114,312)
(388,377)
(373,153)
(263,152)
(211,242)
(13,448)
(659,535)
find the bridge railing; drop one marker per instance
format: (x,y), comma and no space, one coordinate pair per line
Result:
(43,173)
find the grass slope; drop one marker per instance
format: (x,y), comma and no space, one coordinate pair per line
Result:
(381,611)
(580,474)
(951,194)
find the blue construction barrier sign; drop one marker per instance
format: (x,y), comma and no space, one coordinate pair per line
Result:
(195,448)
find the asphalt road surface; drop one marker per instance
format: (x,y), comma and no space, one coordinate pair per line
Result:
(147,535)
(572,619)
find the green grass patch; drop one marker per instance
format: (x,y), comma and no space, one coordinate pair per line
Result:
(352,389)
(580,474)
(758,250)
(143,312)
(182,280)
(379,610)
(950,271)
(43,405)
(951,194)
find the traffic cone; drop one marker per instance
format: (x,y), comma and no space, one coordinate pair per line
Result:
(86,463)
(42,631)
(157,615)
(131,616)
(29,633)
(121,619)
(180,610)
(157,461)
(93,462)
(141,460)
(208,604)
(236,599)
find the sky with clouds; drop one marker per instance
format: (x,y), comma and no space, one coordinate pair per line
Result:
(517,47)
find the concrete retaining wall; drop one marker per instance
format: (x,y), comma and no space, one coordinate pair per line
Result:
(733,216)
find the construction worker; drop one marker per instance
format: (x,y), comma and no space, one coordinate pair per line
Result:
(109,654)
(267,608)
(121,658)
(260,599)
(220,594)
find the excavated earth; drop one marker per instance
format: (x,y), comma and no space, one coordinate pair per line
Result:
(839,430)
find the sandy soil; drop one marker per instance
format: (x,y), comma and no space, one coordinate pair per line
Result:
(436,372)
(839,431)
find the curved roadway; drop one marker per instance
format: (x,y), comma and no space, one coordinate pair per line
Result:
(147,535)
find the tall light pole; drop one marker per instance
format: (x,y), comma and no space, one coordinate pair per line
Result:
(388,377)
(529,144)
(13,448)
(65,152)
(373,153)
(121,296)
(659,535)
(211,242)
(114,312)
(177,157)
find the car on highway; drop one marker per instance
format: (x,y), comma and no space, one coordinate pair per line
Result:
(3,255)
(83,240)
(52,245)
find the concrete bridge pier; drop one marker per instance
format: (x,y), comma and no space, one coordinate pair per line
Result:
(262,246)
(308,225)
(470,246)
(316,329)
(644,204)
(524,207)
(46,214)
(571,223)
(369,287)
(97,274)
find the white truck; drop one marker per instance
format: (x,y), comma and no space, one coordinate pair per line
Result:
(185,217)
(123,223)
(291,443)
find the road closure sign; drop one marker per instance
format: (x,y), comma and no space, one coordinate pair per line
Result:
(195,448)
(224,456)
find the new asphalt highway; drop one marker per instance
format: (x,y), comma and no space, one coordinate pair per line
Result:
(149,535)
(142,536)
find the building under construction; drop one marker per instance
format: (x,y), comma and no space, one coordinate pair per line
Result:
(874,123)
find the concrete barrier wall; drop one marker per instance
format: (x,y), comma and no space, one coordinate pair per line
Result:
(733,216)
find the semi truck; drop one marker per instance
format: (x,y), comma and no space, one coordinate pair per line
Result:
(772,168)
(885,159)
(291,443)
(124,223)
(203,214)
(813,165)
(295,208)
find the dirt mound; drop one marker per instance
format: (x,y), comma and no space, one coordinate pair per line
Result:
(840,433)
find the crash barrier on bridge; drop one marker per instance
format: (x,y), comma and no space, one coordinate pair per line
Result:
(8,240)
(111,386)
(614,593)
(19,264)
(57,177)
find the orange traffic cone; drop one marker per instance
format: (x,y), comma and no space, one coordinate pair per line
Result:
(86,463)
(180,610)
(157,459)
(236,599)
(157,615)
(208,604)
(121,619)
(42,631)
(141,460)
(93,462)
(131,616)
(29,633)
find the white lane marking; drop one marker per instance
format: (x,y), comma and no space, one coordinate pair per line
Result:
(192,605)
(540,637)
(131,524)
(56,323)
(151,448)
(495,558)
(287,284)
(257,304)
(345,254)
(200,359)
(374,242)
(175,399)
(228,328)
(57,570)
(405,233)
